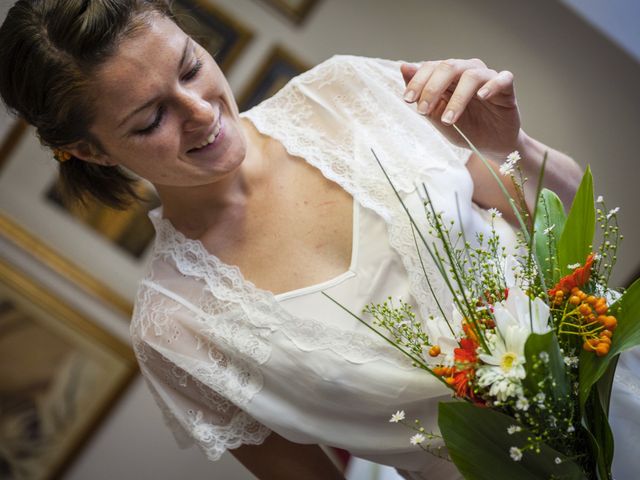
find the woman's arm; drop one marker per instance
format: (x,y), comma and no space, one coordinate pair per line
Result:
(562,175)
(280,459)
(482,103)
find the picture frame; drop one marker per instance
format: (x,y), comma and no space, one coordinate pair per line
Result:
(220,34)
(277,69)
(60,375)
(67,245)
(296,11)
(45,255)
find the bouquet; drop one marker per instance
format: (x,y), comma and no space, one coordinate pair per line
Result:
(529,349)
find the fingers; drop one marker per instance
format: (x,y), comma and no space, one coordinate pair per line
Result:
(468,86)
(417,82)
(408,71)
(445,88)
(499,89)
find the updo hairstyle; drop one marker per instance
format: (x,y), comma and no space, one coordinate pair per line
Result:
(49,50)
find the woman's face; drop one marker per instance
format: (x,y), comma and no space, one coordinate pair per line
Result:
(165,111)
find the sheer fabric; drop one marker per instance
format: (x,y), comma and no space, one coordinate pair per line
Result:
(227,362)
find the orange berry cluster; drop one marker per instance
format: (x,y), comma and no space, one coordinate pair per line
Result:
(596,327)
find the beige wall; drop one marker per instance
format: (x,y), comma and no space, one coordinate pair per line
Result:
(577,92)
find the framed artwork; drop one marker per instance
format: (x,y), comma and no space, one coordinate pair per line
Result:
(221,35)
(100,252)
(27,242)
(295,10)
(130,229)
(279,67)
(59,376)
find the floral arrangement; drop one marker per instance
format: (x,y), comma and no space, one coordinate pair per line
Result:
(530,347)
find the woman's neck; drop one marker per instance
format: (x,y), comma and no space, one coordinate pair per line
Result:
(193,210)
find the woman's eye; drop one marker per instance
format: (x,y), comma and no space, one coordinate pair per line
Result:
(194,71)
(155,124)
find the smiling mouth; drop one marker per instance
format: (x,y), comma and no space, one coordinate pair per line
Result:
(212,136)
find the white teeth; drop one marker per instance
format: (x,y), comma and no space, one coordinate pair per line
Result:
(211,138)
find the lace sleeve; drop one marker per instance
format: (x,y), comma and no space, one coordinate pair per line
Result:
(195,382)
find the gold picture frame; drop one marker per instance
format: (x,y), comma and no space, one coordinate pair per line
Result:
(59,376)
(47,256)
(66,244)
(220,34)
(278,68)
(296,11)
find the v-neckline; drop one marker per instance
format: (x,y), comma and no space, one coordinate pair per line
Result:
(355,223)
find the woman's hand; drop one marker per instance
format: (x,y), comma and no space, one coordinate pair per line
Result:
(480,101)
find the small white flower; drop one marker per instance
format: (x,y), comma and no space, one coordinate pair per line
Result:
(571,429)
(558,460)
(522,404)
(513,157)
(397,417)
(417,439)
(544,356)
(495,212)
(507,167)
(573,266)
(599,199)
(612,212)
(540,397)
(548,230)
(570,361)
(515,453)
(513,429)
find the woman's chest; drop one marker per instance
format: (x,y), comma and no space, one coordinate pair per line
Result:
(296,232)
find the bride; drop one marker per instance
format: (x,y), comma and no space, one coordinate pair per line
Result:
(262,212)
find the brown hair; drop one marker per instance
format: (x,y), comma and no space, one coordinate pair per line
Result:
(48,52)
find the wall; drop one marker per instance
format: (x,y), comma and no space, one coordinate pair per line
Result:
(577,91)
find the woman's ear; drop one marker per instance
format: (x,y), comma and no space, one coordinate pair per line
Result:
(89,153)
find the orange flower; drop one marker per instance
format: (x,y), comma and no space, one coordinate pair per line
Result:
(578,278)
(465,357)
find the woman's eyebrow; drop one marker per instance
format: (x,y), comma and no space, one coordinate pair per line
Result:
(188,46)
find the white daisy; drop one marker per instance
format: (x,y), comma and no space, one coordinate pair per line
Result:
(515,453)
(503,369)
(397,417)
(507,167)
(522,404)
(417,439)
(495,212)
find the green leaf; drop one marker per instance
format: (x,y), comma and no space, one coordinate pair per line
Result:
(576,241)
(479,445)
(550,216)
(625,336)
(538,371)
(599,436)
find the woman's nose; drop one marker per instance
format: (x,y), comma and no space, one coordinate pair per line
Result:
(197,111)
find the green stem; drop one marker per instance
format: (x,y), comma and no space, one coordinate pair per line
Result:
(417,360)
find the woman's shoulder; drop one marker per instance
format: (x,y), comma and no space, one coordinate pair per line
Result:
(343,67)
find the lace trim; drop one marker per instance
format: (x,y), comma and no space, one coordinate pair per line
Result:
(260,308)
(214,440)
(234,317)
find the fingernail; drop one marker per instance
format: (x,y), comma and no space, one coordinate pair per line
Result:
(409,96)
(483,92)
(448,117)
(423,107)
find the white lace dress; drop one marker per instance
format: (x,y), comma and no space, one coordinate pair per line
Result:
(228,363)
